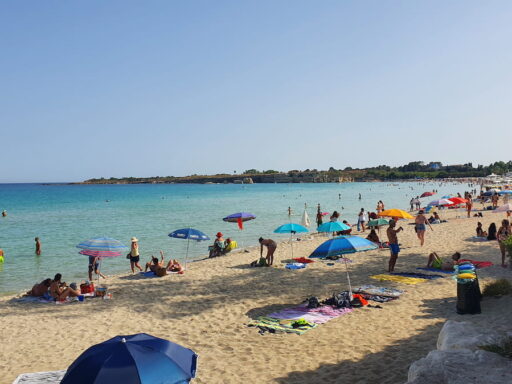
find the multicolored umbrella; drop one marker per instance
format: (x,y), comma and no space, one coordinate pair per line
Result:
(102,244)
(240,218)
(133,359)
(439,202)
(188,234)
(93,253)
(426,194)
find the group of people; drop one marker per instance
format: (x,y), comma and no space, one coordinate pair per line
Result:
(501,235)
(159,268)
(220,246)
(55,289)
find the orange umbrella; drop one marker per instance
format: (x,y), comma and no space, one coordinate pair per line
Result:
(395,214)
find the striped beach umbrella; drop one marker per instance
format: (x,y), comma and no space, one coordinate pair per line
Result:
(102,244)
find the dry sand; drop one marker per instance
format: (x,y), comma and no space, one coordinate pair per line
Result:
(208,309)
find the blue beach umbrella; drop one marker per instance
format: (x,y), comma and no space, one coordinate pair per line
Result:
(291,228)
(333,226)
(505,192)
(188,234)
(342,245)
(106,244)
(133,359)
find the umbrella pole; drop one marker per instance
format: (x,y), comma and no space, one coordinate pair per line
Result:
(186,255)
(348,278)
(291,244)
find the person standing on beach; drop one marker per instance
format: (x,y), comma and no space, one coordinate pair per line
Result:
(361,220)
(319,220)
(421,222)
(469,204)
(94,265)
(412,203)
(38,246)
(394,248)
(271,248)
(134,255)
(504,232)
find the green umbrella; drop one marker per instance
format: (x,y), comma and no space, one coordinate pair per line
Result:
(377,222)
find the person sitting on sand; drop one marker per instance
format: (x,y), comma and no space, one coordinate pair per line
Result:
(154,265)
(271,248)
(480,231)
(434,261)
(174,266)
(219,246)
(59,291)
(40,289)
(373,237)
(348,231)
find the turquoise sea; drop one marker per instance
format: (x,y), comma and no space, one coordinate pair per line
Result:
(64,215)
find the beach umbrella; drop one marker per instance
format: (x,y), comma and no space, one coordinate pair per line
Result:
(426,194)
(102,244)
(240,218)
(458,200)
(133,359)
(505,192)
(188,234)
(378,222)
(440,202)
(305,219)
(446,196)
(504,208)
(342,245)
(101,247)
(395,214)
(333,226)
(291,228)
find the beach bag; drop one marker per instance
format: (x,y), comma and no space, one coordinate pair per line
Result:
(128,255)
(341,300)
(86,288)
(313,302)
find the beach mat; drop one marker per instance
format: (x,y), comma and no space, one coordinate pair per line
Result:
(318,315)
(379,291)
(435,270)
(33,299)
(53,377)
(398,279)
(273,325)
(418,275)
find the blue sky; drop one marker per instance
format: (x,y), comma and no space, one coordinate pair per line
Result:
(131,88)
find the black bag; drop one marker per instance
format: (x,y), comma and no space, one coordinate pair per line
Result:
(129,255)
(341,300)
(313,302)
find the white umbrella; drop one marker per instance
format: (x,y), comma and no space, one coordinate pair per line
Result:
(305,219)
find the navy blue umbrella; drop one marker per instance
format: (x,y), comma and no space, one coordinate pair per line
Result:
(133,359)
(188,234)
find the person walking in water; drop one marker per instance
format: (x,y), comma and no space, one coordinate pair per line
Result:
(319,220)
(4,213)
(394,248)
(271,248)
(421,222)
(134,255)
(38,246)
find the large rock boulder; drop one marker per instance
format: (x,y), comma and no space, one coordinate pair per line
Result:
(457,335)
(461,367)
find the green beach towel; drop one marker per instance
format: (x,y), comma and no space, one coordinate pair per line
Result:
(283,325)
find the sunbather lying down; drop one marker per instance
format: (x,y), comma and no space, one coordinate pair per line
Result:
(434,261)
(174,266)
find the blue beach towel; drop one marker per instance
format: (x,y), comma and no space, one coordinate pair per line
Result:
(435,270)
(295,266)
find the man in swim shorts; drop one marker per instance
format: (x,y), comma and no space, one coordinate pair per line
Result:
(394,248)
(271,248)
(94,265)
(434,261)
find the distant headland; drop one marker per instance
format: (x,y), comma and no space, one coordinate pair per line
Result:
(412,170)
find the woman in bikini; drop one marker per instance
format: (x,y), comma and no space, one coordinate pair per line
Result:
(504,232)
(421,222)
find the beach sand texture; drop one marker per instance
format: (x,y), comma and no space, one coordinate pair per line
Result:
(208,309)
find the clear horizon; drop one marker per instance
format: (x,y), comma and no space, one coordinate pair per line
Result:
(117,89)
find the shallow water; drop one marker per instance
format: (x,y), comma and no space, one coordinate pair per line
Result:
(64,215)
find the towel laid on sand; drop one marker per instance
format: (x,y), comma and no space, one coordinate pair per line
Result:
(33,299)
(303,260)
(295,266)
(398,279)
(478,264)
(417,275)
(435,270)
(271,324)
(377,298)
(53,377)
(318,315)
(379,291)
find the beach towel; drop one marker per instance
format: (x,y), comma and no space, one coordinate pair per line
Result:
(303,260)
(435,270)
(418,275)
(33,299)
(266,323)
(378,298)
(318,315)
(379,291)
(295,266)
(398,279)
(477,264)
(53,377)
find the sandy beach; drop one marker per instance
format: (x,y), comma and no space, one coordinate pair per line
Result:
(208,308)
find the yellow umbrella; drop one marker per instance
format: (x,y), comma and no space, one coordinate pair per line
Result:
(396,214)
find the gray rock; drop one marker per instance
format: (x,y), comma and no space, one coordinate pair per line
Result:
(461,367)
(457,335)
